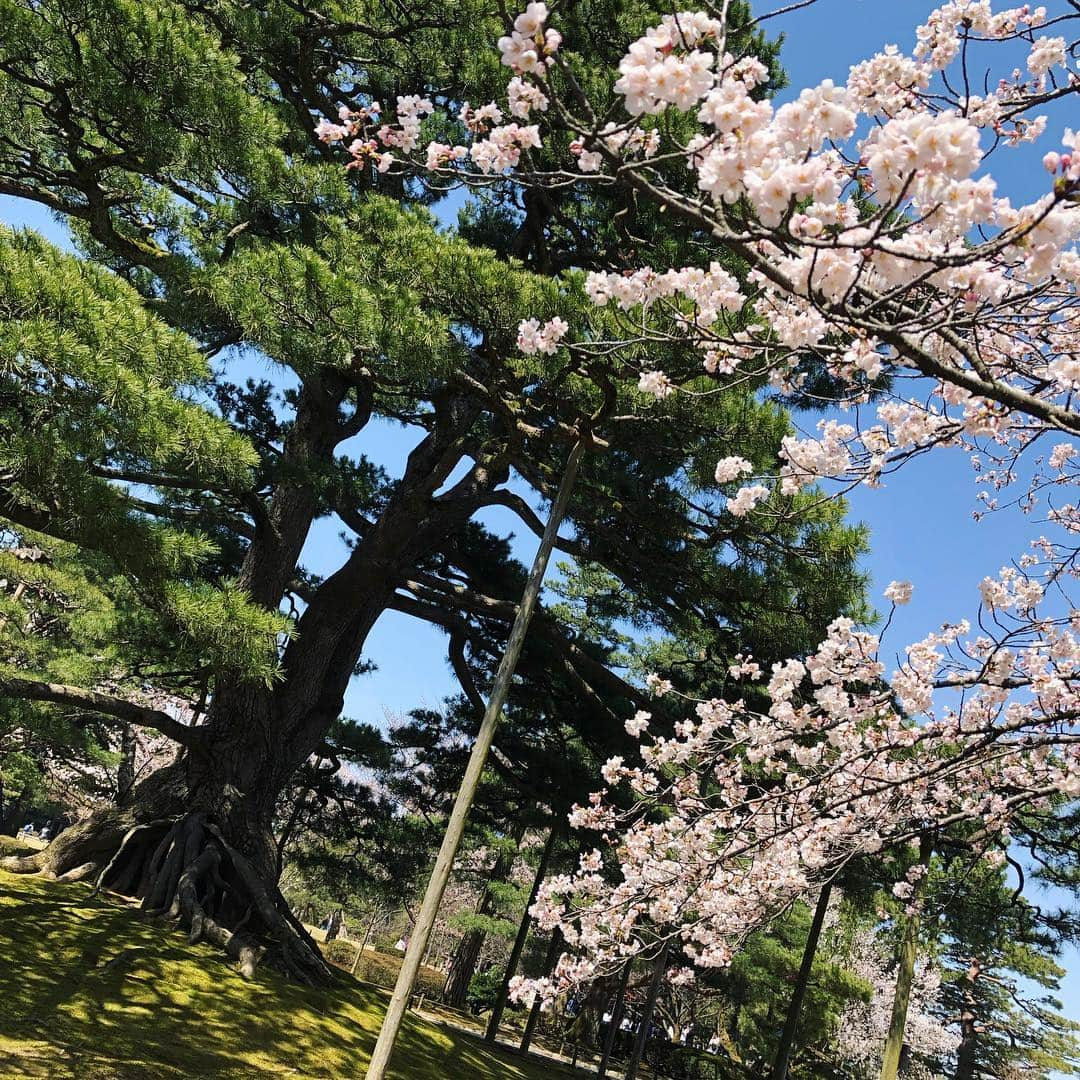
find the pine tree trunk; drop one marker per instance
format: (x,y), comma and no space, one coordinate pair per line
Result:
(467,954)
(966,1054)
(520,939)
(462,968)
(802,983)
(194,839)
(554,946)
(616,1020)
(125,771)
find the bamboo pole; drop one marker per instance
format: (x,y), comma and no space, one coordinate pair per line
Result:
(905,975)
(455,828)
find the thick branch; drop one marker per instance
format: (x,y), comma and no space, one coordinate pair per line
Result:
(434,591)
(114,708)
(525,512)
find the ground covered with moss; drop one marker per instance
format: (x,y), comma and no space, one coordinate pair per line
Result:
(91,990)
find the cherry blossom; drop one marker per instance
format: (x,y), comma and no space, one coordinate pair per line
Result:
(899,592)
(534,338)
(856,230)
(863,1026)
(731,468)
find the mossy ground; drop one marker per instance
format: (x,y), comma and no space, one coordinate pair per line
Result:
(91,990)
(378,966)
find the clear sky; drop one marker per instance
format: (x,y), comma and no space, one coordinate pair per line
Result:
(921,524)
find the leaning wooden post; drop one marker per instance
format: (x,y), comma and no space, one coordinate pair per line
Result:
(455,827)
(905,974)
(554,946)
(647,1014)
(616,1020)
(802,983)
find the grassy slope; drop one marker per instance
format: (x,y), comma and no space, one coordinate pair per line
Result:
(166,1009)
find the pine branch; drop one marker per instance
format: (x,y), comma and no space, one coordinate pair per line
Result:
(527,515)
(436,592)
(110,708)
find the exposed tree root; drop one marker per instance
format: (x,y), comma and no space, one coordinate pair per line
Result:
(23,864)
(182,868)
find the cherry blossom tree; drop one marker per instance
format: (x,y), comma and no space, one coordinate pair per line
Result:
(864,1025)
(855,232)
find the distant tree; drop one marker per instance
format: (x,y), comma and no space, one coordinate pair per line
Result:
(1001,975)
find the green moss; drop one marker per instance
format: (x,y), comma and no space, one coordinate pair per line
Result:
(381,968)
(90,990)
(20,845)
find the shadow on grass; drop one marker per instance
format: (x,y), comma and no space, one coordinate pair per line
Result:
(91,989)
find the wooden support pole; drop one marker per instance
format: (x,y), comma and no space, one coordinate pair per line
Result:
(534,1013)
(616,1020)
(647,1014)
(455,827)
(802,982)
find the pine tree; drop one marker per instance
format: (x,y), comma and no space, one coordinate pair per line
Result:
(998,952)
(186,165)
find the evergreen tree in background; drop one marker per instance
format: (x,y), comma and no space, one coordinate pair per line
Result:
(998,952)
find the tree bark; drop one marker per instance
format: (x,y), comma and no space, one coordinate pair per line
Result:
(519,941)
(647,1014)
(616,1020)
(802,983)
(221,793)
(905,975)
(467,954)
(966,1054)
(534,1013)
(125,772)
(463,965)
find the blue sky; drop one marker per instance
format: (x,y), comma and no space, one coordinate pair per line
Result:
(921,524)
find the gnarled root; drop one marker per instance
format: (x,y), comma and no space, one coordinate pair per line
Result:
(182,868)
(196,876)
(23,864)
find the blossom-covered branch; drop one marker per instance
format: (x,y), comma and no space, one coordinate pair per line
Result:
(854,232)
